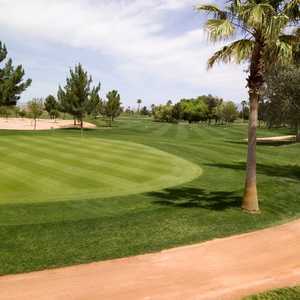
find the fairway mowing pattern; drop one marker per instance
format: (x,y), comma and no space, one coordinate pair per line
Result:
(47,168)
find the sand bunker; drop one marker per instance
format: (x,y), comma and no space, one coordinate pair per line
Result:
(284,138)
(41,124)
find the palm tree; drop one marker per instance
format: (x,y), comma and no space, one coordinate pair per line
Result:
(261,25)
(139,102)
(244,103)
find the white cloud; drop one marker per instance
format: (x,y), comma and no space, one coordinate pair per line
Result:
(132,32)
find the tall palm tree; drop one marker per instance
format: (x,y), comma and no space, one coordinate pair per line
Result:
(139,102)
(260,25)
(244,103)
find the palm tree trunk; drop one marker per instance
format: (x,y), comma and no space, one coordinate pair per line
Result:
(250,200)
(255,83)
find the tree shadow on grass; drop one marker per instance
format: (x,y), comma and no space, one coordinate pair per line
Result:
(263,143)
(188,197)
(288,171)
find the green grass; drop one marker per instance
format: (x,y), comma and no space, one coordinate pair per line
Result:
(280,294)
(124,191)
(49,168)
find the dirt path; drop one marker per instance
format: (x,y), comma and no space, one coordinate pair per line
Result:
(42,124)
(226,268)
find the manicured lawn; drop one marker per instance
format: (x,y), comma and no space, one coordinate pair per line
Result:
(136,188)
(280,294)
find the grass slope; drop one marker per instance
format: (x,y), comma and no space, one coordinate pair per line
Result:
(280,294)
(40,233)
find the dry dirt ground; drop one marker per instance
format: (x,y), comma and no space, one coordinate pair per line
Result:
(227,268)
(42,124)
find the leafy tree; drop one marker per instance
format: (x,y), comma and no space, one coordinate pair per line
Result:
(35,108)
(5,111)
(164,113)
(22,113)
(230,112)
(262,26)
(193,110)
(212,102)
(77,95)
(11,80)
(282,96)
(51,106)
(112,107)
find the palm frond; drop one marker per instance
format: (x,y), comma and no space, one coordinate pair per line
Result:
(275,26)
(292,9)
(214,10)
(237,51)
(255,15)
(219,29)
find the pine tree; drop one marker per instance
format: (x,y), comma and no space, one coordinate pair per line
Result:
(11,80)
(77,95)
(112,107)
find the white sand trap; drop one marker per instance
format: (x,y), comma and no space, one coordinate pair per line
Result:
(271,139)
(41,124)
(283,138)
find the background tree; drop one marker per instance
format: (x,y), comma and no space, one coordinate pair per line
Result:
(11,80)
(112,107)
(212,102)
(244,105)
(51,106)
(262,25)
(139,102)
(230,112)
(94,105)
(35,108)
(145,111)
(77,95)
(22,113)
(283,98)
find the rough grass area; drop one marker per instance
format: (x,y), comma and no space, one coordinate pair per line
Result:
(39,168)
(280,294)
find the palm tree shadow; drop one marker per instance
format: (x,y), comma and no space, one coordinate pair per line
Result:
(286,171)
(188,197)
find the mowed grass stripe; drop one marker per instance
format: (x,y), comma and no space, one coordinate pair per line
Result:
(113,160)
(85,174)
(102,146)
(75,166)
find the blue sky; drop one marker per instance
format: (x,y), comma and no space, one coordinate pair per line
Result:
(150,49)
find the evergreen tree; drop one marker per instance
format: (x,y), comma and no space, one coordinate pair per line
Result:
(11,80)
(112,107)
(77,95)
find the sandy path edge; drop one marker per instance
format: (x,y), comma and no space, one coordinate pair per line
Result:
(227,268)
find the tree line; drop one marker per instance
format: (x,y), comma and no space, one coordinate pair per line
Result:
(78,97)
(204,109)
